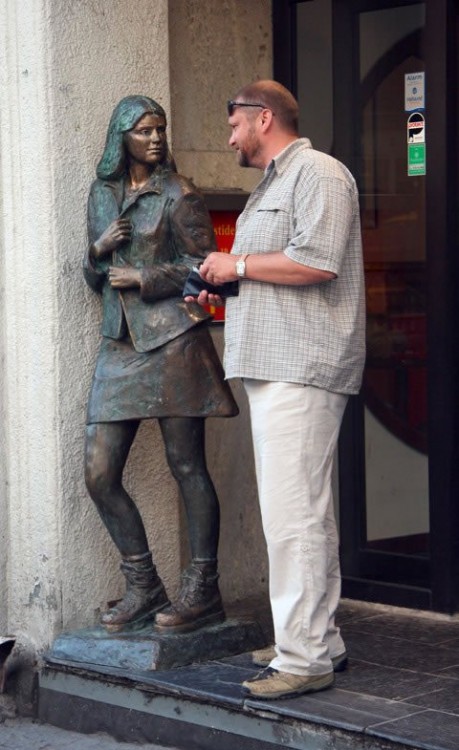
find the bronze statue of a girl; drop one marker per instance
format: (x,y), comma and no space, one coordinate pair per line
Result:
(147,226)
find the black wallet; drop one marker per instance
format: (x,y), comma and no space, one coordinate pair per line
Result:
(195,284)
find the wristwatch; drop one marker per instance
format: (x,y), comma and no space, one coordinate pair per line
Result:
(240,267)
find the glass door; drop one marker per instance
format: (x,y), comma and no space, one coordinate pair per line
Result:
(393,228)
(397,504)
(386,537)
(393,543)
(356,67)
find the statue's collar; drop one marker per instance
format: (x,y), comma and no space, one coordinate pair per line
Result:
(125,199)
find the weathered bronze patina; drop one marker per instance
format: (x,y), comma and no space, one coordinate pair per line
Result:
(147,226)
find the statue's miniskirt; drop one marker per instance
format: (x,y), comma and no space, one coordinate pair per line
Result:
(183,378)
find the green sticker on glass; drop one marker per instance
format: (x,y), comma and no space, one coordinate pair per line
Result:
(416,159)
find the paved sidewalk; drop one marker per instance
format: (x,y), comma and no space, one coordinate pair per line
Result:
(401,690)
(27,734)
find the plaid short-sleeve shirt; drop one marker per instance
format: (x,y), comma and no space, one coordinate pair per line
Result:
(306,205)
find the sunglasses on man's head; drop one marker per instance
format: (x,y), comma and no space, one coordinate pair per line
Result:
(231,104)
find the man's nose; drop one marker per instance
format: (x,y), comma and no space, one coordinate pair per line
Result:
(155,136)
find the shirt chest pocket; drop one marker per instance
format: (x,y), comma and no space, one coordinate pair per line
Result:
(275,218)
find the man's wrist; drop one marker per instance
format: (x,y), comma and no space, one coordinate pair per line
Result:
(241,267)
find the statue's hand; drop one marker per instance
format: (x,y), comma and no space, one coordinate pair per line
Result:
(124,277)
(118,232)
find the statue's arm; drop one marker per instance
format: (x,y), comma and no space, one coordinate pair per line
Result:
(94,270)
(193,233)
(106,232)
(191,240)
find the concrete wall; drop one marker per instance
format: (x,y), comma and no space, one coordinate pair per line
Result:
(64,64)
(3,476)
(216,47)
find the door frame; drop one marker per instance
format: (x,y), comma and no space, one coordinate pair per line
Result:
(381,576)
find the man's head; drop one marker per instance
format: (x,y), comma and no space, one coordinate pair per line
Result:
(263,117)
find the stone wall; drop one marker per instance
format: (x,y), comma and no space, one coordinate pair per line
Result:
(64,64)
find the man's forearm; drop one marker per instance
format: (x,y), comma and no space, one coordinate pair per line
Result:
(273,268)
(277,268)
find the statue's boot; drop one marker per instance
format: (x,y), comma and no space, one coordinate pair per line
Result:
(199,601)
(145,596)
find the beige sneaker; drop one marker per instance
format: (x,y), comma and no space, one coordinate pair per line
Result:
(264,656)
(270,684)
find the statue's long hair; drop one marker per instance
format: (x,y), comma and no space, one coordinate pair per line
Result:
(127,113)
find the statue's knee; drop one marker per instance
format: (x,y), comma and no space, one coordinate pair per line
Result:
(181,469)
(93,479)
(100,480)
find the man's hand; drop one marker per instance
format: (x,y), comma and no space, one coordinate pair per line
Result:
(207,299)
(124,277)
(218,268)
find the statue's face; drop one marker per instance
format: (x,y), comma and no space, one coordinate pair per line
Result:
(146,143)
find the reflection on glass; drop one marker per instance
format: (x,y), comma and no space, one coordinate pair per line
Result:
(393,225)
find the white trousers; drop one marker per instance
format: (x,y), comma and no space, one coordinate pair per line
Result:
(295,430)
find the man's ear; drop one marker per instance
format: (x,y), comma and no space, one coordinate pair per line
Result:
(266,118)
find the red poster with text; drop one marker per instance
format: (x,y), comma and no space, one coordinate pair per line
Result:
(224,223)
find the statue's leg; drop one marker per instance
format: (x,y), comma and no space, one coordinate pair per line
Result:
(107,449)
(199,601)
(185,451)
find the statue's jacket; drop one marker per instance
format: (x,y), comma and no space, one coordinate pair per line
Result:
(171,232)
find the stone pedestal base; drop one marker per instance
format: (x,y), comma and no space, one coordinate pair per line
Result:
(146,650)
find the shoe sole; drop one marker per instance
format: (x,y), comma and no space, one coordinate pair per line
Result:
(339,662)
(188,627)
(128,627)
(321,684)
